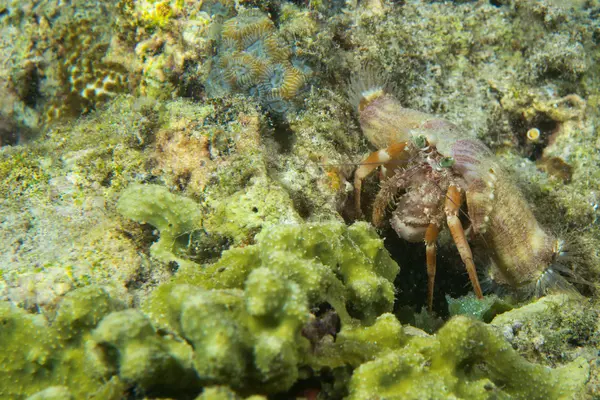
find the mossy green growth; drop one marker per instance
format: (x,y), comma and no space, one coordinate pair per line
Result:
(554,329)
(224,393)
(125,344)
(188,230)
(482,309)
(245,212)
(465,360)
(174,216)
(356,343)
(37,355)
(347,267)
(263,294)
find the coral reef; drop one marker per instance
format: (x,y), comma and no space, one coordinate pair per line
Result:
(205,187)
(125,344)
(67,60)
(84,79)
(264,294)
(56,234)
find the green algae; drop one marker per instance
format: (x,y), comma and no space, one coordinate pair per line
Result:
(37,354)
(482,309)
(465,360)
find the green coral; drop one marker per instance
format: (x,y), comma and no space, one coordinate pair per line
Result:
(241,347)
(242,322)
(347,267)
(356,344)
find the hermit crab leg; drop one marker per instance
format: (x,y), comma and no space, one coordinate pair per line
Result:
(453,202)
(430,239)
(386,195)
(373,161)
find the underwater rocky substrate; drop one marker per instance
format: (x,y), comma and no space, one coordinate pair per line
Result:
(242,323)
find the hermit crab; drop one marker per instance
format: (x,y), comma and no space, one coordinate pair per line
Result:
(429,169)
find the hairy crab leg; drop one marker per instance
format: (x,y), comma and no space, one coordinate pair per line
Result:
(387,193)
(374,160)
(430,239)
(453,202)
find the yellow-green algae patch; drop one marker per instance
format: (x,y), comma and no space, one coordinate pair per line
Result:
(242,322)
(37,354)
(466,360)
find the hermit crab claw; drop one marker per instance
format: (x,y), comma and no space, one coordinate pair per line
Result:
(393,154)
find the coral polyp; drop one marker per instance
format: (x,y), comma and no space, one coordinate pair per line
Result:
(275,49)
(248,26)
(253,59)
(281,82)
(242,70)
(85,79)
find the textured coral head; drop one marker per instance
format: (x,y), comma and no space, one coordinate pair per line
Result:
(242,70)
(248,27)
